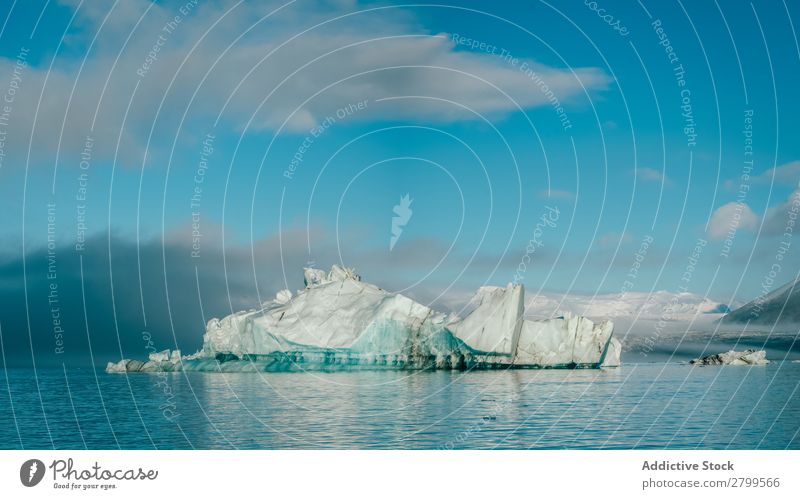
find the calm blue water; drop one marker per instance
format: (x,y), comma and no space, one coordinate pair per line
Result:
(636,406)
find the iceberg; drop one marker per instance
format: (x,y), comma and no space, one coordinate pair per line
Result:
(159,356)
(339,322)
(749,357)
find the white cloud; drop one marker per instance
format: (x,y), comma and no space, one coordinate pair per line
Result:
(646,174)
(364,56)
(777,217)
(731,217)
(786,174)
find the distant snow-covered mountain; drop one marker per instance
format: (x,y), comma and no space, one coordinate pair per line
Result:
(779,307)
(658,305)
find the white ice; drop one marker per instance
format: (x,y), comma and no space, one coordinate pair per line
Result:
(338,316)
(732,358)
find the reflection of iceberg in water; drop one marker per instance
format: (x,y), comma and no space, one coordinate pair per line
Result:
(339,322)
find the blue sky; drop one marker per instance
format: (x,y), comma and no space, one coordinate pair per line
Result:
(472,136)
